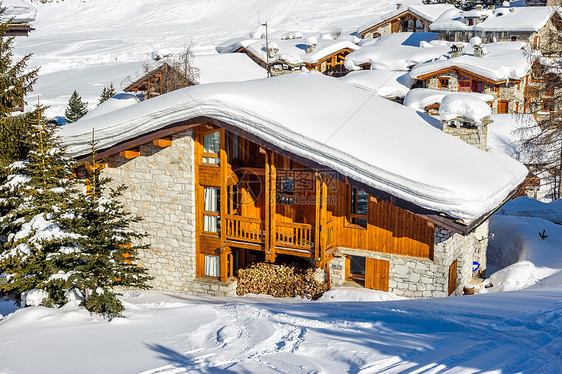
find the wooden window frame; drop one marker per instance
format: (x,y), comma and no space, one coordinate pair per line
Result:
(443,82)
(351,216)
(210,213)
(207,154)
(203,275)
(357,278)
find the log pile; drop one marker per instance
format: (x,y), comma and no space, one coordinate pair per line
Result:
(279,281)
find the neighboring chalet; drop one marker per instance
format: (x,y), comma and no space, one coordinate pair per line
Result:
(413,18)
(20,14)
(429,101)
(295,53)
(160,77)
(533,25)
(299,166)
(498,69)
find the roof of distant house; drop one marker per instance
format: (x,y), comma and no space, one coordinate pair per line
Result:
(429,12)
(385,83)
(18,11)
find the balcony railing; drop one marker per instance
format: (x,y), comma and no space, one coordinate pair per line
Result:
(293,235)
(247,229)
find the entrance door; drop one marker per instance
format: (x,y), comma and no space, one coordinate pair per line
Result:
(503,106)
(376,274)
(452,277)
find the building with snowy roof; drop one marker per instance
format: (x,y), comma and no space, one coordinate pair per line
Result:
(300,165)
(20,14)
(295,53)
(498,69)
(161,76)
(413,18)
(532,25)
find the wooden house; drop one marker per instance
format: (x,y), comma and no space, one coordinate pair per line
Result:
(283,56)
(271,168)
(19,29)
(413,18)
(532,25)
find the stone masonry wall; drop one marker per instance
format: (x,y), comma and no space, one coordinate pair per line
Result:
(414,277)
(161,190)
(475,136)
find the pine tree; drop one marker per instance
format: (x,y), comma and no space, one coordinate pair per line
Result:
(76,108)
(108,253)
(36,252)
(15,83)
(107,93)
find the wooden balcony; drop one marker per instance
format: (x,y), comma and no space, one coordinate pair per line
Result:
(289,237)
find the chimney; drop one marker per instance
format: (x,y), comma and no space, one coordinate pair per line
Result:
(477,50)
(311,44)
(491,7)
(478,7)
(398,6)
(272,49)
(512,9)
(456,50)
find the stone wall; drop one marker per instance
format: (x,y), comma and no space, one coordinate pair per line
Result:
(475,135)
(414,277)
(161,190)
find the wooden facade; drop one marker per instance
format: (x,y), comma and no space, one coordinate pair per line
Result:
(254,203)
(159,81)
(407,21)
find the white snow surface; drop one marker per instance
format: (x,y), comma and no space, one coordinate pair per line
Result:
(520,19)
(500,64)
(507,132)
(18,11)
(397,52)
(344,133)
(458,105)
(118,101)
(110,40)
(419,98)
(385,83)
(34,297)
(429,12)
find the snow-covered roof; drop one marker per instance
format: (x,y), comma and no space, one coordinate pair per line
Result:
(520,19)
(395,52)
(500,64)
(385,83)
(371,140)
(471,108)
(231,67)
(420,98)
(121,100)
(292,50)
(429,12)
(19,11)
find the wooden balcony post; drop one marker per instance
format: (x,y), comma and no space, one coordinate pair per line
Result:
(223,206)
(272,205)
(317,220)
(323,221)
(267,210)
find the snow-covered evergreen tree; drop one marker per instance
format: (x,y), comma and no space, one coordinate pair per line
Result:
(107,93)
(15,83)
(76,108)
(36,252)
(108,250)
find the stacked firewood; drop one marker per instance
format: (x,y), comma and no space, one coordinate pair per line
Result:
(279,281)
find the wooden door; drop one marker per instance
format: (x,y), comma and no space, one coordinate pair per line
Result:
(376,274)
(503,106)
(452,277)
(395,26)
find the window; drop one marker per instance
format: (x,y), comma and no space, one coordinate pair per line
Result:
(513,38)
(356,268)
(212,266)
(476,86)
(547,105)
(503,106)
(443,83)
(232,147)
(211,209)
(211,148)
(359,207)
(286,190)
(464,84)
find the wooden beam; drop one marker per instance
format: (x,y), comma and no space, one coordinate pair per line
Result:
(323,221)
(163,142)
(223,203)
(130,153)
(317,253)
(272,203)
(268,232)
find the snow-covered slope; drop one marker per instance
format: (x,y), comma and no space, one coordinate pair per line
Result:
(85,45)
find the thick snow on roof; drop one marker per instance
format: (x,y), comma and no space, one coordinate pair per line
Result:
(18,10)
(458,105)
(507,132)
(230,67)
(121,100)
(429,12)
(500,64)
(522,19)
(359,134)
(385,83)
(419,98)
(394,52)
(294,50)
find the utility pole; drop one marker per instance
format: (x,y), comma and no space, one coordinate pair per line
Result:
(267,49)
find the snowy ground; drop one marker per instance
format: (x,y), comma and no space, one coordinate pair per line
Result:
(348,330)
(85,45)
